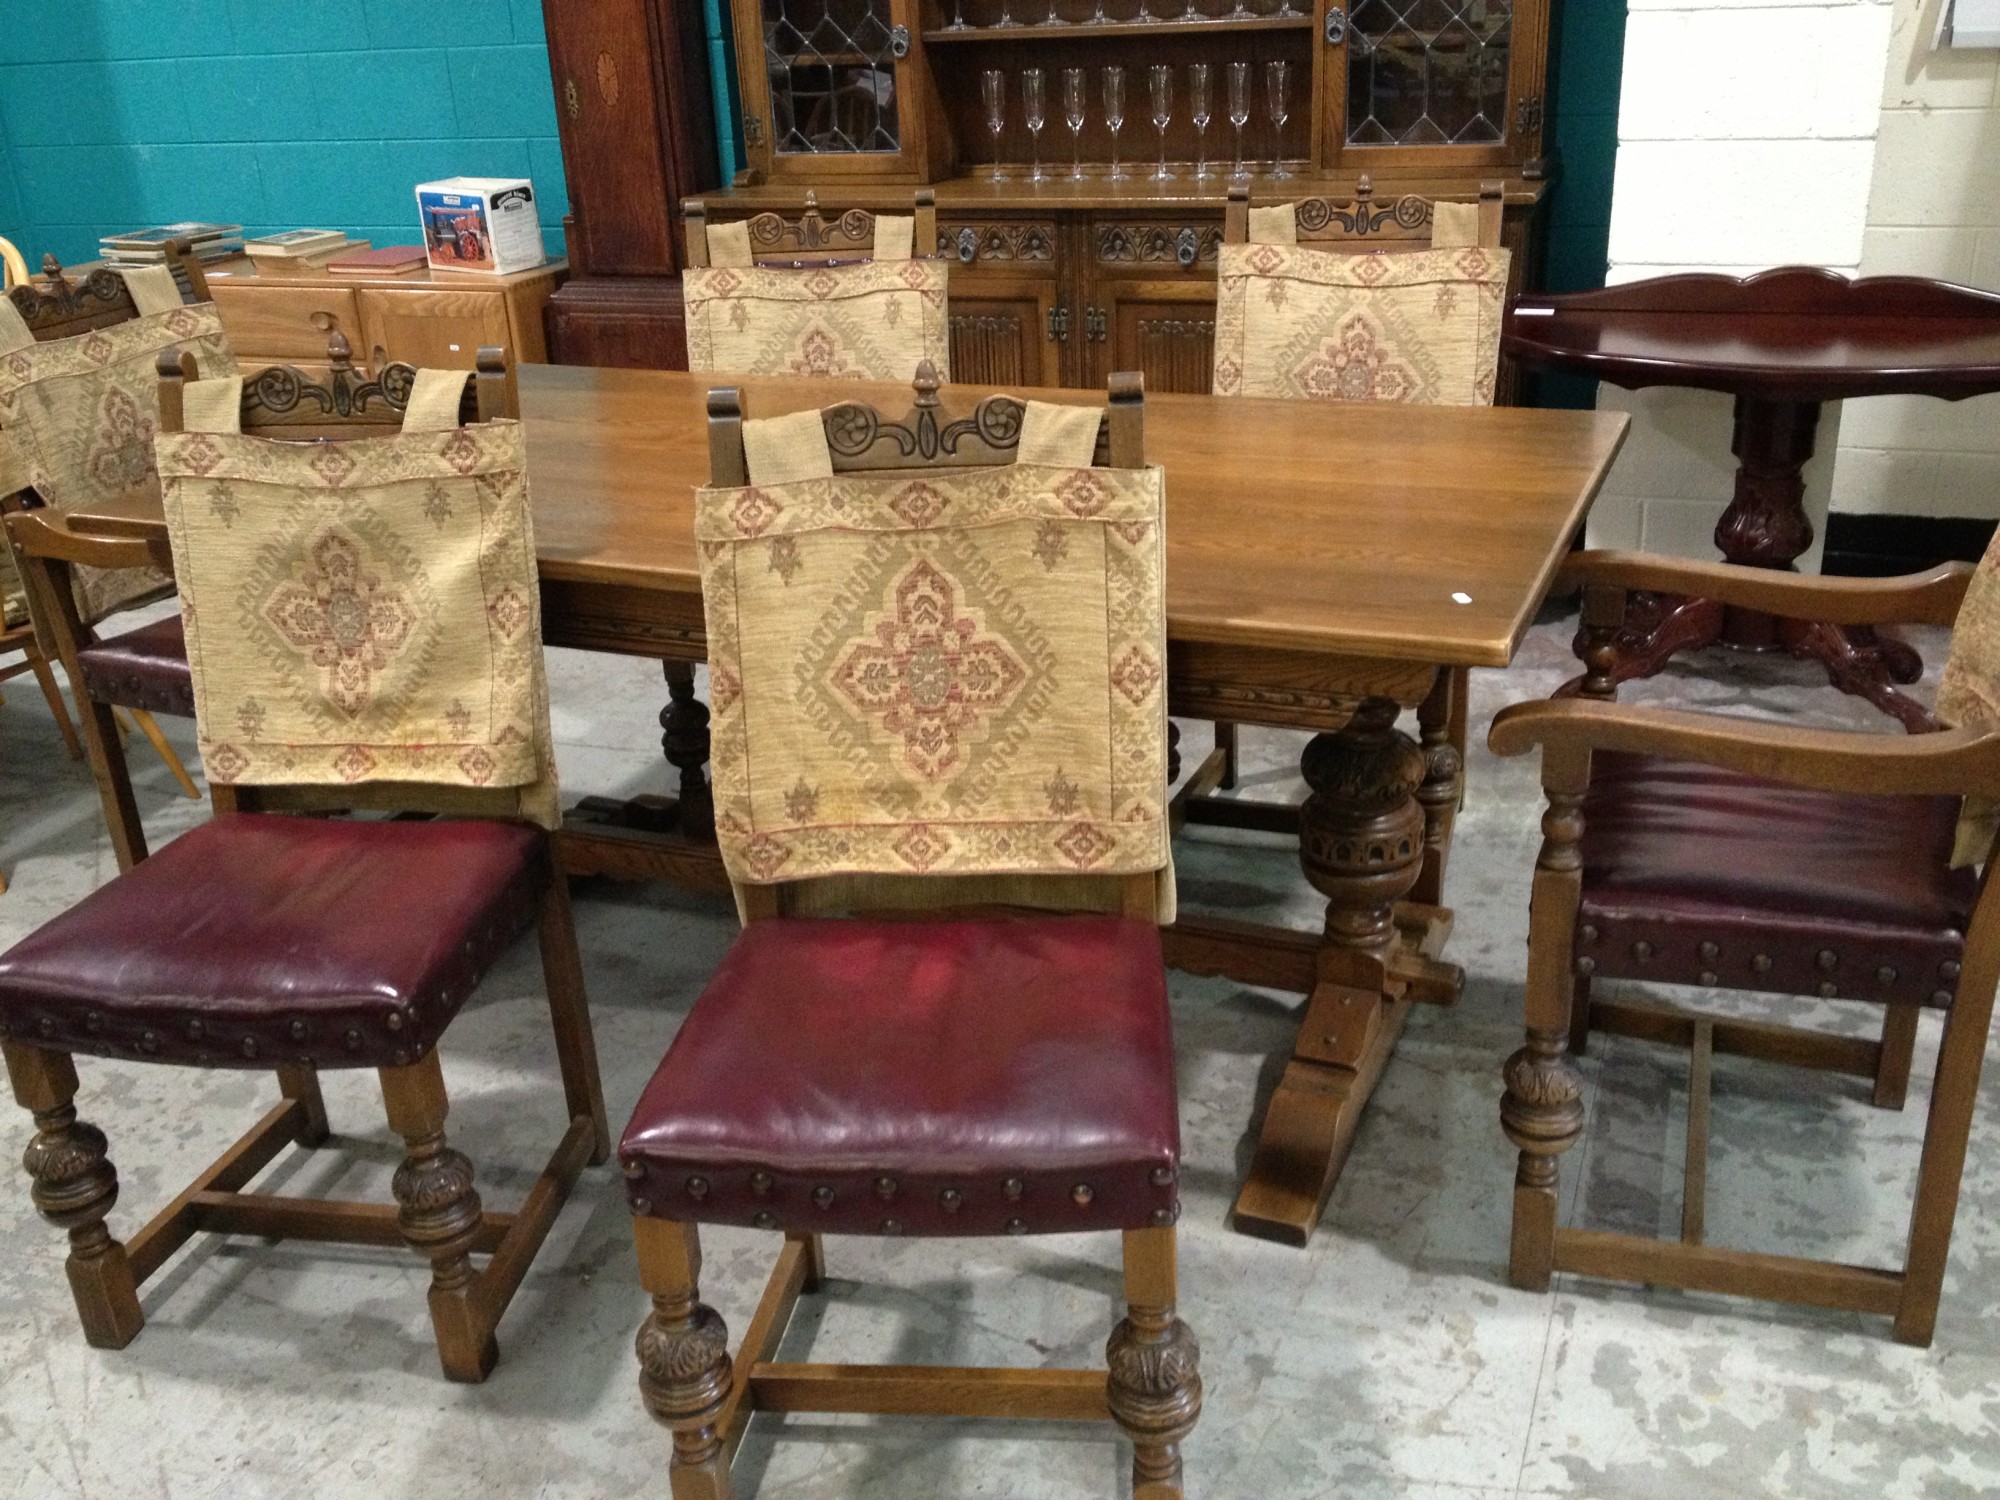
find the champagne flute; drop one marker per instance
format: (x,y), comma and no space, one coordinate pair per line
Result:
(1006,15)
(1034,114)
(958,17)
(1276,75)
(1114,114)
(1199,112)
(993,89)
(1074,103)
(1161,82)
(1239,110)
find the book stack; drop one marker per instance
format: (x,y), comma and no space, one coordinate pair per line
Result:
(147,247)
(298,249)
(390,260)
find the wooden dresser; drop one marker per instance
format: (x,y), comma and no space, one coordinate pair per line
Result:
(428,318)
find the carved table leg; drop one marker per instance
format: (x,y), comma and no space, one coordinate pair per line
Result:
(685,720)
(1861,661)
(439,1214)
(1542,1109)
(1154,1386)
(684,1367)
(74,1187)
(1444,780)
(1361,841)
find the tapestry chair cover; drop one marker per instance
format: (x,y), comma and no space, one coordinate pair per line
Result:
(1420,327)
(1969,694)
(78,415)
(362,610)
(937,671)
(872,320)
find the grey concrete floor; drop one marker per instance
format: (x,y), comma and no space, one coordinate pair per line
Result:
(1389,1358)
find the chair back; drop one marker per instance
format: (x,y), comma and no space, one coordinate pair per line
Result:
(937,649)
(1408,309)
(78,401)
(861,297)
(363,614)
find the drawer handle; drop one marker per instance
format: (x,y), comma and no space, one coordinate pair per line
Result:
(325,322)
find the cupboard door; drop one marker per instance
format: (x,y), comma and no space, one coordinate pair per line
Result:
(439,330)
(1004,330)
(833,89)
(1163,329)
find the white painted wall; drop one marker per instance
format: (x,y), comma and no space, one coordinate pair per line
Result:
(1746,139)
(1933,210)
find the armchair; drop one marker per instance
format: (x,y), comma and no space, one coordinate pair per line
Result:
(1687,849)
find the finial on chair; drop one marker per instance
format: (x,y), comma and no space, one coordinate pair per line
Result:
(926,385)
(1364,190)
(339,353)
(52,271)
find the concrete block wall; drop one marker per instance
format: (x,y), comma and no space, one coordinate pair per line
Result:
(1933,210)
(1746,136)
(269,113)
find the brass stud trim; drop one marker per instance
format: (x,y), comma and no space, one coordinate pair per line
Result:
(885,1188)
(641,1207)
(1586,966)
(1081,1195)
(1710,951)
(1642,950)
(632,1168)
(1948,969)
(1941,997)
(1886,974)
(697,1187)
(1017,1226)
(1587,932)
(760,1184)
(822,1197)
(949,1200)
(766,1220)
(1013,1187)
(1708,976)
(1163,1177)
(1761,962)
(1828,989)
(1827,959)
(892,1226)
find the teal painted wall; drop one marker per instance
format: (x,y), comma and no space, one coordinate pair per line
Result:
(269,113)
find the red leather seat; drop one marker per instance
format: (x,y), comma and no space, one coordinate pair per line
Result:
(255,940)
(1694,875)
(930,1078)
(145,669)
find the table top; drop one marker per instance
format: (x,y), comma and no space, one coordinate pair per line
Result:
(1405,533)
(1797,333)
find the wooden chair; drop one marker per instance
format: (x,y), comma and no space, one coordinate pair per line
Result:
(259,940)
(1341,343)
(1686,848)
(968,1075)
(862,297)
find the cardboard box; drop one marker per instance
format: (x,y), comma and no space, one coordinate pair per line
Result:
(480,224)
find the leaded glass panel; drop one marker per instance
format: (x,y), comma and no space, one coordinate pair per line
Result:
(833,76)
(1428,72)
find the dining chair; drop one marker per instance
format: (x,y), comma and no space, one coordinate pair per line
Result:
(954,633)
(1695,849)
(1360,301)
(363,629)
(860,297)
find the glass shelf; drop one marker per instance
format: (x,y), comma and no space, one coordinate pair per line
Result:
(1200,26)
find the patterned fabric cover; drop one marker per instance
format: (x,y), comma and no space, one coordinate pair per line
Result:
(1969,694)
(77,418)
(363,610)
(1422,328)
(873,321)
(13,591)
(952,672)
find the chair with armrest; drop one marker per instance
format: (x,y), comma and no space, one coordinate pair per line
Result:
(1685,848)
(861,297)
(1360,301)
(955,633)
(350,650)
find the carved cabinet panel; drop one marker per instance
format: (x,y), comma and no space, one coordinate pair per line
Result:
(1006,329)
(1164,330)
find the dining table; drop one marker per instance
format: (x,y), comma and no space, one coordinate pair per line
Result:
(1329,567)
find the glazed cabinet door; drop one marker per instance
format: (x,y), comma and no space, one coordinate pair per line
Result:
(1165,330)
(833,90)
(1443,83)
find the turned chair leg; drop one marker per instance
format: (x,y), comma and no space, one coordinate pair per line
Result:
(296,1081)
(74,1188)
(684,1366)
(51,690)
(439,1214)
(569,1012)
(1154,1387)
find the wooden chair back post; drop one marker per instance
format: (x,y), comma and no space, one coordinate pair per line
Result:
(1492,210)
(863,443)
(923,240)
(494,393)
(694,231)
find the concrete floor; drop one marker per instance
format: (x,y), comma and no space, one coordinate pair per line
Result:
(1388,1359)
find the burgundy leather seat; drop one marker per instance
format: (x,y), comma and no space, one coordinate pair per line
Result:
(255,940)
(1694,875)
(931,1078)
(145,669)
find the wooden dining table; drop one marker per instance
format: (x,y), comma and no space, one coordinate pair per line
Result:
(1327,567)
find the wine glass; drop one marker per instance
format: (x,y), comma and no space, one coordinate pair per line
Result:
(1198,108)
(1161,82)
(1034,114)
(958,17)
(1074,101)
(1276,74)
(1239,110)
(1006,15)
(1114,114)
(993,89)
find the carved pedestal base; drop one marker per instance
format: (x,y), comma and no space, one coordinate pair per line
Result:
(1362,838)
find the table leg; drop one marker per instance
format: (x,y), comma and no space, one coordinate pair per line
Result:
(685,740)
(1362,843)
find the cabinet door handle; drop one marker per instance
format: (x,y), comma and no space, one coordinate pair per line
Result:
(1059,323)
(968,245)
(1186,248)
(1096,324)
(1336,25)
(899,41)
